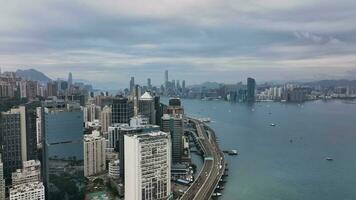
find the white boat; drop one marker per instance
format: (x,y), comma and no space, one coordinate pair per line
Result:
(272,124)
(329,159)
(218,194)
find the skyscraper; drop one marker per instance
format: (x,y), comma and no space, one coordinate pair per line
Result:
(94,154)
(166,79)
(147,166)
(251,87)
(70,80)
(105,119)
(116,138)
(173,124)
(132,84)
(122,110)
(149,85)
(62,133)
(13,140)
(2,181)
(147,107)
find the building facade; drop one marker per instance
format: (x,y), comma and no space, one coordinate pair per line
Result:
(173,124)
(148,166)
(26,191)
(122,110)
(94,155)
(147,107)
(30,172)
(105,119)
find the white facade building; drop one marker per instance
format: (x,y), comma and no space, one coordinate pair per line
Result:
(26,191)
(94,154)
(114,169)
(30,172)
(105,119)
(2,181)
(147,166)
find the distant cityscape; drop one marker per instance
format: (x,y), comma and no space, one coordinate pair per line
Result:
(65,140)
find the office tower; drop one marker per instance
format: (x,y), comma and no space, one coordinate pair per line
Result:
(251,87)
(30,172)
(70,80)
(114,169)
(147,107)
(26,191)
(166,79)
(173,124)
(2,181)
(122,110)
(62,133)
(175,107)
(31,131)
(147,166)
(52,89)
(158,109)
(149,85)
(183,85)
(94,154)
(132,84)
(178,85)
(118,131)
(105,119)
(13,140)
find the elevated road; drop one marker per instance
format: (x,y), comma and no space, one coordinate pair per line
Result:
(213,167)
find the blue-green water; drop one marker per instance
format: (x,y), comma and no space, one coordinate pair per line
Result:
(270,166)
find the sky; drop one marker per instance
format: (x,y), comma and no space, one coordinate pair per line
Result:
(107,42)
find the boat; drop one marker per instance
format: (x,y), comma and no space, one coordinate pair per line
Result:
(217,194)
(329,159)
(272,124)
(232,152)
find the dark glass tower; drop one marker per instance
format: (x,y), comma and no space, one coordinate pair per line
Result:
(251,87)
(122,110)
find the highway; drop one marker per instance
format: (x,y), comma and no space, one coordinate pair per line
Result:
(213,167)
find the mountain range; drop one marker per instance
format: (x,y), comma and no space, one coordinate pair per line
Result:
(32,74)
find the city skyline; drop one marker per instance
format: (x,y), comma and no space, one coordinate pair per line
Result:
(108,43)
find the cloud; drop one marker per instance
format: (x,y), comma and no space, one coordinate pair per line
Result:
(109,41)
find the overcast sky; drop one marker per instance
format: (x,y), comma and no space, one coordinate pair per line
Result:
(108,41)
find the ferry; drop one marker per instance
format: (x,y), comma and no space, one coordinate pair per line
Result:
(272,124)
(329,159)
(231,152)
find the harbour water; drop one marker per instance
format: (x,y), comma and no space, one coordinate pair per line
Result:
(286,161)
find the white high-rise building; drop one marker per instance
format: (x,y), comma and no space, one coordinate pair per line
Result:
(105,119)
(94,154)
(26,191)
(30,172)
(39,126)
(2,181)
(147,166)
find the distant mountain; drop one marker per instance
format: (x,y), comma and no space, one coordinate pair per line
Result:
(32,74)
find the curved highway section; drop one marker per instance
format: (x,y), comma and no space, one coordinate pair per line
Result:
(213,168)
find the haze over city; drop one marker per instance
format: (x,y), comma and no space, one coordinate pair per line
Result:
(223,41)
